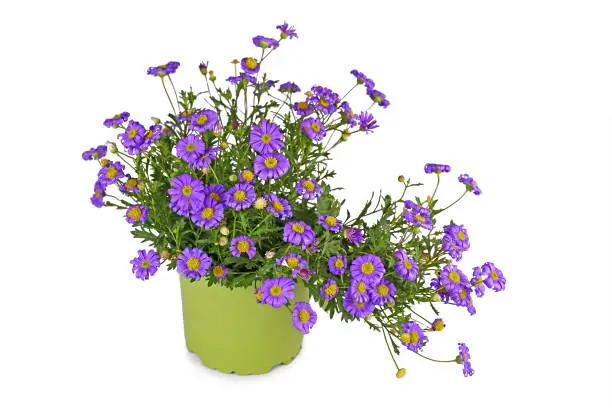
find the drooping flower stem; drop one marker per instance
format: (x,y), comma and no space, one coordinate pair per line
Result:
(168,95)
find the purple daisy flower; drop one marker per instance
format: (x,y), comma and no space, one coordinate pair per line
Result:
(330,223)
(242,77)
(190,148)
(133,137)
(246,176)
(203,120)
(412,336)
(417,215)
(363,79)
(459,235)
(240,197)
(367,123)
(193,263)
(361,310)
(95,153)
(437,168)
(186,192)
(287,31)
(470,184)
(136,214)
(303,108)
(250,65)
(303,317)
(186,116)
(276,292)
(464,358)
(324,99)
(258,294)
(298,233)
(313,128)
(329,290)
(354,236)
(348,114)
(266,137)
(207,215)
(368,268)
(302,273)
(378,97)
(110,173)
(150,136)
(265,42)
(293,261)
(215,191)
(270,166)
(308,188)
(116,120)
(382,292)
(243,245)
(437,325)
(477,281)
(219,272)
(450,246)
(406,267)
(495,278)
(279,207)
(359,290)
(163,70)
(290,87)
(337,264)
(145,264)
(444,294)
(97,199)
(463,297)
(453,279)
(207,158)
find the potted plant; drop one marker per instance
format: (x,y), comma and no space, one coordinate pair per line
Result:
(234,192)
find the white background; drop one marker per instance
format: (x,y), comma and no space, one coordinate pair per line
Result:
(518,94)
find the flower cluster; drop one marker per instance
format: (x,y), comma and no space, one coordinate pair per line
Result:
(240,194)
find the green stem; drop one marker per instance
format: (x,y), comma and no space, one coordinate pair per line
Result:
(435,190)
(453,203)
(168,95)
(437,361)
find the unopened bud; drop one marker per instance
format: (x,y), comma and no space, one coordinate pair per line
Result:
(222,241)
(400,373)
(436,297)
(155,120)
(401,179)
(235,61)
(345,136)
(165,254)
(224,231)
(429,199)
(260,203)
(112,147)
(270,254)
(203,68)
(233,178)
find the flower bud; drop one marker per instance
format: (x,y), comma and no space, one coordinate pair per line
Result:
(174,257)
(224,231)
(401,179)
(224,145)
(270,254)
(222,241)
(205,170)
(436,297)
(400,373)
(284,35)
(235,61)
(155,120)
(429,199)
(345,136)
(164,254)
(260,203)
(112,147)
(233,178)
(308,93)
(203,68)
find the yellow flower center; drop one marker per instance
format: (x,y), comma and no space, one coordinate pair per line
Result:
(201,120)
(135,213)
(315,126)
(132,133)
(494,275)
(463,293)
(339,263)
(292,262)
(297,228)
(215,196)
(145,264)
(131,183)
(419,218)
(461,236)
(331,289)
(218,271)
(250,63)
(323,102)
(277,206)
(411,337)
(187,190)
(207,213)
(383,290)
(148,134)
(308,186)
(303,316)
(361,287)
(276,290)
(111,172)
(331,221)
(302,105)
(248,175)
(258,295)
(454,277)
(98,193)
(407,264)
(367,268)
(243,246)
(359,305)
(266,138)
(438,325)
(240,196)
(117,116)
(270,162)
(190,147)
(193,264)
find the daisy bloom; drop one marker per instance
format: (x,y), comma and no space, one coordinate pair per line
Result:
(242,245)
(240,197)
(357,309)
(329,290)
(464,358)
(337,264)
(412,336)
(215,191)
(266,137)
(367,123)
(276,292)
(308,188)
(292,261)
(417,215)
(354,236)
(495,279)
(279,207)
(382,292)
(219,272)
(246,176)
(110,173)
(250,65)
(406,267)
(116,120)
(453,279)
(313,128)
(437,168)
(95,153)
(287,31)
(298,233)
(359,290)
(186,192)
(190,148)
(203,120)
(193,263)
(303,317)
(330,223)
(271,166)
(265,42)
(145,264)
(97,199)
(207,215)
(470,184)
(136,214)
(133,137)
(368,268)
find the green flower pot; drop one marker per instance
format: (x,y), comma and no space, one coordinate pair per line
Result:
(232,333)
